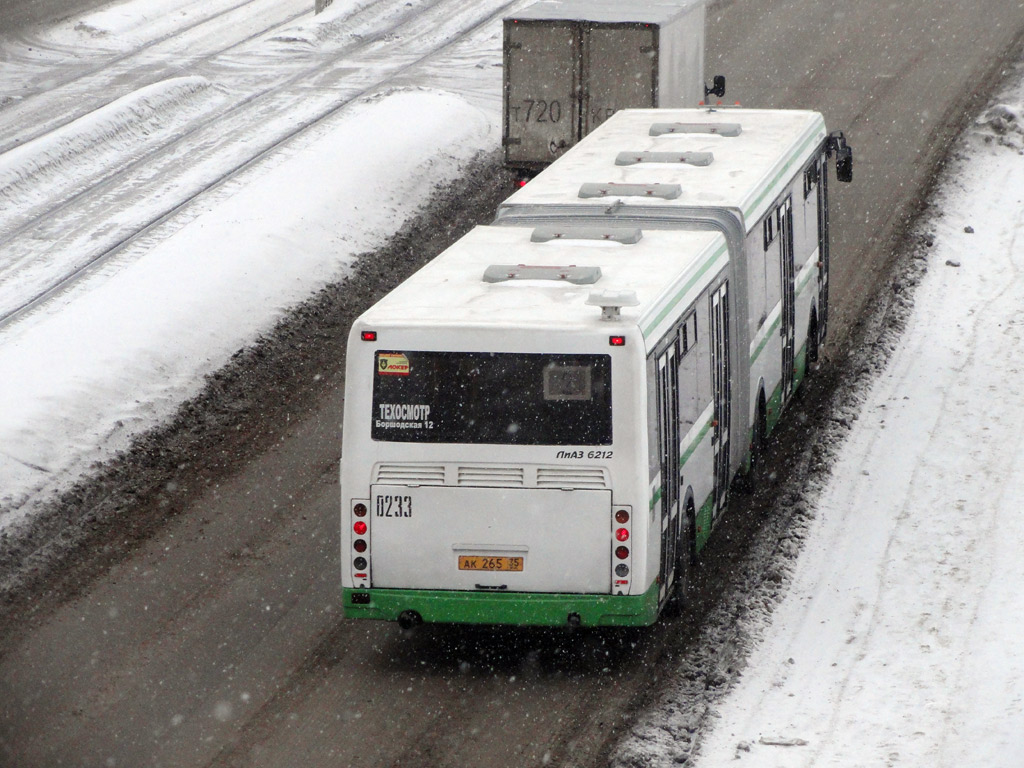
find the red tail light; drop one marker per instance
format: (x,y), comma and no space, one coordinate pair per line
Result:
(622,534)
(359,527)
(622,552)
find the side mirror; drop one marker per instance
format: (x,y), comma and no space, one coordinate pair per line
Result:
(717,89)
(844,156)
(844,165)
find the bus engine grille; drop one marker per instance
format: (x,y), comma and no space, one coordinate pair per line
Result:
(493,476)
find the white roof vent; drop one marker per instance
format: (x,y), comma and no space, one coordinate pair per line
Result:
(623,235)
(612,189)
(716,129)
(686,158)
(498,273)
(611,302)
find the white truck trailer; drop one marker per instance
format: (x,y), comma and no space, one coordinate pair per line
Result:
(569,65)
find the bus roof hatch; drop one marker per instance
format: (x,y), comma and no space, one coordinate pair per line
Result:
(611,189)
(499,273)
(687,158)
(623,235)
(730,130)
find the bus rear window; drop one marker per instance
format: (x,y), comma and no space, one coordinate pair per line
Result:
(492,398)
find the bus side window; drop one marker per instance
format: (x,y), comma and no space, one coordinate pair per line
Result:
(757,294)
(769,230)
(695,381)
(772,258)
(811,179)
(688,333)
(809,229)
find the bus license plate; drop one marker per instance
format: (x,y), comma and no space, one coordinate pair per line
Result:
(480,563)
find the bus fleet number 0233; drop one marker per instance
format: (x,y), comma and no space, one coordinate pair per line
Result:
(394,506)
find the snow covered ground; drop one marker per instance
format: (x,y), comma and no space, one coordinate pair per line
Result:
(118,351)
(898,640)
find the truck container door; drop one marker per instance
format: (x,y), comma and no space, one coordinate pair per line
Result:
(620,69)
(542,70)
(721,391)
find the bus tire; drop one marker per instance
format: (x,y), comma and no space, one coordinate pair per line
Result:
(686,559)
(748,481)
(812,340)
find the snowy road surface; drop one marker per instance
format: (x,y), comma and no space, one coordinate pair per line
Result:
(212,638)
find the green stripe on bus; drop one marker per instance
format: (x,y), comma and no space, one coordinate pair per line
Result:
(519,608)
(775,323)
(705,516)
(784,171)
(685,457)
(805,280)
(684,290)
(696,442)
(655,497)
(764,341)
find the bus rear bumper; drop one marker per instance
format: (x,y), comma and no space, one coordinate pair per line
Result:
(516,608)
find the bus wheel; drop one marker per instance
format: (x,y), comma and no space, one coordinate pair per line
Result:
(686,558)
(812,340)
(748,481)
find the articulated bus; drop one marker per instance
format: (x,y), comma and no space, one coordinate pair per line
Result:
(542,425)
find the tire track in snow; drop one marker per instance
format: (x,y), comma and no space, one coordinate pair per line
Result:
(948,533)
(92,230)
(28,118)
(1001,349)
(76,155)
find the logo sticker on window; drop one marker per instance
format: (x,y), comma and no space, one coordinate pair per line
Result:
(567,382)
(392,364)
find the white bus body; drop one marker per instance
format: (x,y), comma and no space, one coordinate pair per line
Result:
(541,425)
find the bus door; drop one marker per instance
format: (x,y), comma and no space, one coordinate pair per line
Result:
(822,248)
(721,391)
(788,320)
(668,448)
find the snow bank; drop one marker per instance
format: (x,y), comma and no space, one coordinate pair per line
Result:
(898,642)
(126,348)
